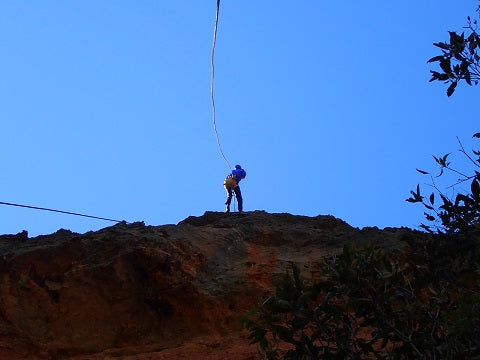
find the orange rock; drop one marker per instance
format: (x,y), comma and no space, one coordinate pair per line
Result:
(157,292)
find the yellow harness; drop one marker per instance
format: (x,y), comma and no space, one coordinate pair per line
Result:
(230,182)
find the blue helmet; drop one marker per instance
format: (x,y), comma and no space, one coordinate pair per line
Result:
(238,167)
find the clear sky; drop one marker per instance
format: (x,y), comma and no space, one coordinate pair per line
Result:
(105,108)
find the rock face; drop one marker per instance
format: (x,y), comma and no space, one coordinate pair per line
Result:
(168,291)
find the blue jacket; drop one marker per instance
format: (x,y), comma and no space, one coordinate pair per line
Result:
(239,174)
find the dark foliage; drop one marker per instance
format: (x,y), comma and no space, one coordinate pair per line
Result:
(421,303)
(460,58)
(460,214)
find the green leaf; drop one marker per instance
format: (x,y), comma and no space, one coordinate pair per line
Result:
(472,44)
(416,197)
(438,76)
(434,76)
(435,58)
(445,65)
(422,172)
(442,45)
(443,77)
(451,88)
(475,187)
(443,161)
(457,41)
(468,78)
(432,198)
(446,202)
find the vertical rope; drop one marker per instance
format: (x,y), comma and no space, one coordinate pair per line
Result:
(213,83)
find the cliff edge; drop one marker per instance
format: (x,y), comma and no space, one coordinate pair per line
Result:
(132,291)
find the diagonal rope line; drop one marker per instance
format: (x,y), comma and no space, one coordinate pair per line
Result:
(213,83)
(59,211)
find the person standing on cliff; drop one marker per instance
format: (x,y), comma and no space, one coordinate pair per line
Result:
(231,185)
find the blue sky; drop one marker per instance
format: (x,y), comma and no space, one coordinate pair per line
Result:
(105,108)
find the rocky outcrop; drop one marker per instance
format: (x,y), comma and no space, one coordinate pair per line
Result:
(131,289)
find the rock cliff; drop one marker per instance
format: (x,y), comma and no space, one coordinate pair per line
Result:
(132,291)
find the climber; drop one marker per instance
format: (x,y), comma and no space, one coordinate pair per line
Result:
(231,184)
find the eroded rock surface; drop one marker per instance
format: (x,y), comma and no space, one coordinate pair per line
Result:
(157,292)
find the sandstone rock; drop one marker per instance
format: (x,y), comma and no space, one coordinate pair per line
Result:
(131,289)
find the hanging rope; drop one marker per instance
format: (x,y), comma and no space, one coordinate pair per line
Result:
(213,83)
(60,211)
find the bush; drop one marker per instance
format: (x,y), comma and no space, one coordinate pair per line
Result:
(460,58)
(419,303)
(460,214)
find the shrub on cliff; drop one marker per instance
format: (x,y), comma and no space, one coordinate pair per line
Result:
(461,212)
(422,303)
(460,58)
